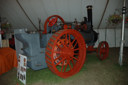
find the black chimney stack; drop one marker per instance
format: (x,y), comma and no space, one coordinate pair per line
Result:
(89,13)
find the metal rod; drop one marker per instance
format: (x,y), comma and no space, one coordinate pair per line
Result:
(103,14)
(27,15)
(122,35)
(39,21)
(102,18)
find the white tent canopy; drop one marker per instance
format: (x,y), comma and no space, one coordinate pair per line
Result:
(68,9)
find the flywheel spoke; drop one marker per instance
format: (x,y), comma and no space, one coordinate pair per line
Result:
(65,67)
(60,61)
(59,46)
(69,38)
(76,49)
(66,37)
(58,52)
(75,45)
(62,43)
(73,41)
(72,62)
(62,66)
(69,65)
(75,58)
(76,53)
(57,58)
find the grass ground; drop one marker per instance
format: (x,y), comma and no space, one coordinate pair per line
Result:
(94,72)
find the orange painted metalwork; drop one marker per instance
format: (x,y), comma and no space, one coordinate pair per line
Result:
(66,52)
(103,50)
(81,27)
(50,21)
(91,48)
(67,26)
(55,55)
(66,49)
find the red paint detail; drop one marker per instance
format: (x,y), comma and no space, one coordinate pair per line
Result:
(81,27)
(77,27)
(67,26)
(48,19)
(103,50)
(85,26)
(12,41)
(52,21)
(91,49)
(65,54)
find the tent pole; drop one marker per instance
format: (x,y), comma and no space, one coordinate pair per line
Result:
(122,35)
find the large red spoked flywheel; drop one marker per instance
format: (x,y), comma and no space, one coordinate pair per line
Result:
(103,50)
(51,21)
(65,52)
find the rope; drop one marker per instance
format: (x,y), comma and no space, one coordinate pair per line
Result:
(27,15)
(103,14)
(102,17)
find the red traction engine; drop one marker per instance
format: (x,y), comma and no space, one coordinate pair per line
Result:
(66,49)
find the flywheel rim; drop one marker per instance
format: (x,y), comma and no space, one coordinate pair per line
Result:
(73,56)
(48,19)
